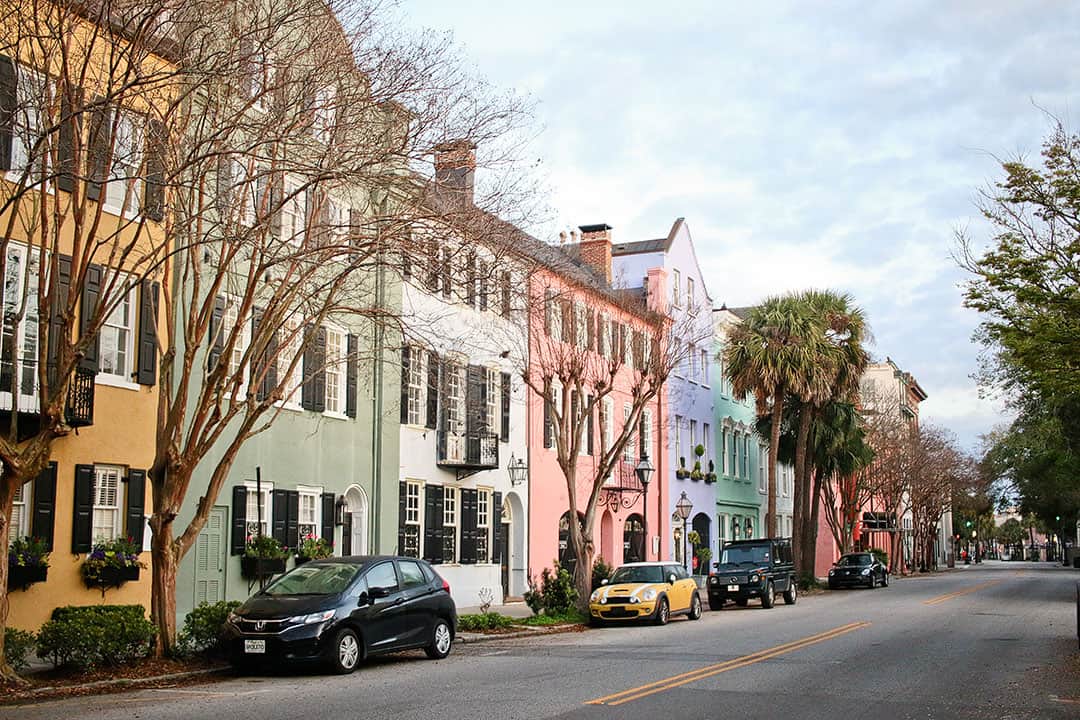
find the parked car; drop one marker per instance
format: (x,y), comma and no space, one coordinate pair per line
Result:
(753,569)
(339,611)
(861,568)
(645,590)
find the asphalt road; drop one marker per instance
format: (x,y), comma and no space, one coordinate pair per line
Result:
(989,641)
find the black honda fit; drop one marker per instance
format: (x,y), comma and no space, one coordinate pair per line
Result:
(341,610)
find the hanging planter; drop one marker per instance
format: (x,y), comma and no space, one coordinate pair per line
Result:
(21,577)
(28,562)
(111,564)
(255,568)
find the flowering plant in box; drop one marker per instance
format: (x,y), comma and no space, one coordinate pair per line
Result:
(314,548)
(28,552)
(265,547)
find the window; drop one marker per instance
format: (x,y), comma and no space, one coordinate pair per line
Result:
(733,451)
(763,482)
(693,441)
(261,80)
(483,525)
(382,576)
(762,464)
(579,325)
(647,433)
(290,339)
(337,223)
(324,114)
(18,526)
(450,521)
(675,291)
(736,527)
(721,528)
(492,400)
(704,367)
(124,186)
(32,93)
(411,531)
(308,520)
(678,437)
(609,423)
(116,340)
(335,371)
(455,398)
(552,428)
(746,456)
(724,451)
(690,293)
(705,431)
(691,356)
(106,518)
(20,283)
(411,574)
(253,512)
(293,211)
(628,449)
(417,390)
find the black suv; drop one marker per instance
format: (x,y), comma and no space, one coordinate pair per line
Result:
(753,568)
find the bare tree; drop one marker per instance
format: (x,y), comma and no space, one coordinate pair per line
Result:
(938,469)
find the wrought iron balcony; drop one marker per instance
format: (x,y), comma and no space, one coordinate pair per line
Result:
(467,452)
(623,489)
(78,410)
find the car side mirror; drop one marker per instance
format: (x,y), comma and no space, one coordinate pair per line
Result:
(605,581)
(363,599)
(671,578)
(380,592)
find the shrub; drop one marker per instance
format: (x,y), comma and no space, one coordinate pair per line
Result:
(483,621)
(881,555)
(17,647)
(556,595)
(600,571)
(95,635)
(807,581)
(202,627)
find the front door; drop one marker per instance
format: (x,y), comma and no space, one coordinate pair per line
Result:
(346,536)
(504,558)
(210,558)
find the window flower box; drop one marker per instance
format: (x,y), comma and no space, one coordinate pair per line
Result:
(111,564)
(28,562)
(20,577)
(255,568)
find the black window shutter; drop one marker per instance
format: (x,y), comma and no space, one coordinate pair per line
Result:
(485,270)
(432,420)
(504,390)
(307,390)
(474,392)
(292,520)
(470,279)
(134,522)
(217,339)
(224,198)
(8,106)
(148,305)
(642,440)
(91,296)
(328,507)
(497,526)
(405,360)
(42,522)
(433,523)
(264,367)
(239,520)
(403,493)
(83,509)
(278,528)
(70,128)
(447,283)
(506,293)
(589,429)
(58,304)
(468,526)
(318,381)
(548,420)
(154,195)
(549,308)
(99,144)
(352,374)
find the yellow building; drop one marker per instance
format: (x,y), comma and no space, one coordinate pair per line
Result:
(80,188)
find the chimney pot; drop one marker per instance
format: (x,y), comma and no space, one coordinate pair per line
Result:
(595,247)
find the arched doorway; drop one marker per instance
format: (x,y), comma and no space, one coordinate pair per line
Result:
(607,537)
(354,530)
(702,524)
(634,539)
(513,559)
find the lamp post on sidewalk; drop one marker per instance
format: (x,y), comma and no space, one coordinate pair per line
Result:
(644,471)
(683,508)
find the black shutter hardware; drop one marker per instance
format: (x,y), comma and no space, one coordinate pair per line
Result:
(134,522)
(239,520)
(42,521)
(83,509)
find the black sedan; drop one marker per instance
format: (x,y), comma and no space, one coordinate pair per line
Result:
(858,569)
(339,611)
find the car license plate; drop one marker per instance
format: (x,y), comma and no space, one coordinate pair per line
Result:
(255,647)
(733,588)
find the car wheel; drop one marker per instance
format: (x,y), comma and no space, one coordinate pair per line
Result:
(663,612)
(441,640)
(769,598)
(695,607)
(792,593)
(344,653)
(873,581)
(885,580)
(716,604)
(742,602)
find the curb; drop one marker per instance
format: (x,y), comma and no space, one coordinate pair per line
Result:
(468,638)
(117,682)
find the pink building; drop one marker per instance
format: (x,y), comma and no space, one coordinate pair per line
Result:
(576,315)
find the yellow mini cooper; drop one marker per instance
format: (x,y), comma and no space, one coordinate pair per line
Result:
(653,590)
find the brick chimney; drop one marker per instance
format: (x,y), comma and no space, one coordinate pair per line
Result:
(595,247)
(455,166)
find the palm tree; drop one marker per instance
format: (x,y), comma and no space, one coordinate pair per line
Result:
(771,354)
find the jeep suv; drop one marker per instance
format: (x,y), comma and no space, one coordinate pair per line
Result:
(753,569)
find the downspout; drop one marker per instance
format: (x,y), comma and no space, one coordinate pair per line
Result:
(377,398)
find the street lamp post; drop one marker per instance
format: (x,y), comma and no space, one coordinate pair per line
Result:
(644,471)
(683,508)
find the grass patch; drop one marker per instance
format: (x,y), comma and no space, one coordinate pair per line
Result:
(572,616)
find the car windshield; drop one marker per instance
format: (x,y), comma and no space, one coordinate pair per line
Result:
(854,560)
(314,579)
(638,574)
(756,554)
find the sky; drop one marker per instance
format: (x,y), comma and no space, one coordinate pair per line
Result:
(832,145)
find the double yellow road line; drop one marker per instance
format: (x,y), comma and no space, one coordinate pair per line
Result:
(706,672)
(949,596)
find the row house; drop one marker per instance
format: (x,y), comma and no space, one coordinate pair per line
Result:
(689,389)
(94,488)
(578,312)
(462,400)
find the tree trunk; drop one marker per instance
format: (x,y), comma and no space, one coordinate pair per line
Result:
(774,450)
(812,526)
(798,515)
(7,501)
(164,561)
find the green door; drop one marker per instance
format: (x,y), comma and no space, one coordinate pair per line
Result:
(210,558)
